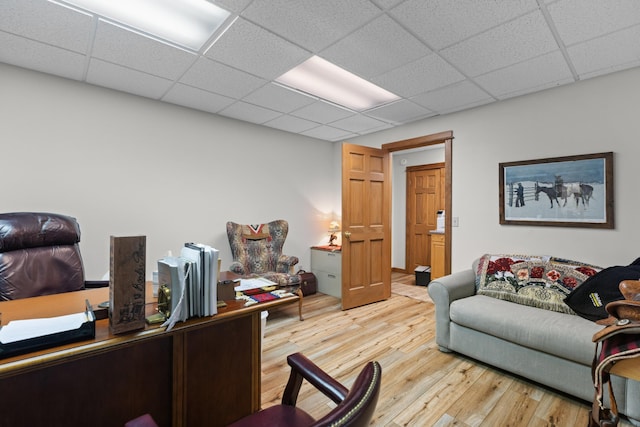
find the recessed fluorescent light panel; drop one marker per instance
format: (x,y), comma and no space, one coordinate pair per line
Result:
(188,23)
(325,80)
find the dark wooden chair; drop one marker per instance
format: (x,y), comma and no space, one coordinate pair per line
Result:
(355,406)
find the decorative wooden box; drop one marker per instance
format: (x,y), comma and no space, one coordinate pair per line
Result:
(127,283)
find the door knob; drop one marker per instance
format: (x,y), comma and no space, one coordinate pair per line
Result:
(347,234)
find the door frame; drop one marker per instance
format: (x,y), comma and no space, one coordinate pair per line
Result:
(445,138)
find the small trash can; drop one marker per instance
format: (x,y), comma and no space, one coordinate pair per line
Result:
(423,275)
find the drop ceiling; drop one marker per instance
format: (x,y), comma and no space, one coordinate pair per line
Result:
(439,56)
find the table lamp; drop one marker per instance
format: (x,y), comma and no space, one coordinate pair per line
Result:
(334,227)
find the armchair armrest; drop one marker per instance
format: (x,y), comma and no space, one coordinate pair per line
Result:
(303,368)
(443,292)
(237,268)
(285,262)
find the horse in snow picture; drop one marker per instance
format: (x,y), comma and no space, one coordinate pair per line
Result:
(580,191)
(587,179)
(550,192)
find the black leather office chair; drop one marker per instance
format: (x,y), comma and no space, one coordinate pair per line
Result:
(40,255)
(355,406)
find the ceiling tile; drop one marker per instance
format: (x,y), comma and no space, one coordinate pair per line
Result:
(41,57)
(359,123)
(580,20)
(291,124)
(376,48)
(442,23)
(141,53)
(127,80)
(322,112)
(610,53)
(198,99)
(425,74)
(312,24)
(279,98)
(402,111)
(236,6)
(249,113)
(508,44)
(538,73)
(215,77)
(453,98)
(386,4)
(252,49)
(47,22)
(441,56)
(327,133)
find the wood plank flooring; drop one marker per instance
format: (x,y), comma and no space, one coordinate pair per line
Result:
(421,386)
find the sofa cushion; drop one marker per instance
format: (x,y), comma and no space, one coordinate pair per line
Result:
(560,334)
(537,281)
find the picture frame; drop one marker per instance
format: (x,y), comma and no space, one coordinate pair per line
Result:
(570,191)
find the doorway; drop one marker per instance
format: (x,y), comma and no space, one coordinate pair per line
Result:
(366,215)
(444,139)
(424,199)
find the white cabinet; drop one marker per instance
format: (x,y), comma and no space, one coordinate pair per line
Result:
(326,264)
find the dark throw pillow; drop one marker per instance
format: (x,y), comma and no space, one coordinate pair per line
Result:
(590,298)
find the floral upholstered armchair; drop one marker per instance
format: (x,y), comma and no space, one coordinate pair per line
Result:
(257,251)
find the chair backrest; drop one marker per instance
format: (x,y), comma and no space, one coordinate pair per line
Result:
(357,409)
(39,255)
(257,246)
(145,420)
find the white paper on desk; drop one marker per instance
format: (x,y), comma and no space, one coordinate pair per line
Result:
(18,330)
(255,283)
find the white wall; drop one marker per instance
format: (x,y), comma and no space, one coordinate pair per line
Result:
(592,116)
(125,165)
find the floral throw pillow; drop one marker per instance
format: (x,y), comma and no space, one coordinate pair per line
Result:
(534,281)
(492,264)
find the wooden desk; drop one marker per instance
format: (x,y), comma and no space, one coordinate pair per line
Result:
(204,372)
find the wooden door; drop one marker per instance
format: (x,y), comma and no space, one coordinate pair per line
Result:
(425,197)
(366,216)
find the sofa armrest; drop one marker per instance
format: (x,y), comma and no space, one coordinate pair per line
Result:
(285,263)
(443,292)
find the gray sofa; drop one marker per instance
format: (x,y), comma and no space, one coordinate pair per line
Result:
(548,347)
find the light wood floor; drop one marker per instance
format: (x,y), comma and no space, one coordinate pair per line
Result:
(421,386)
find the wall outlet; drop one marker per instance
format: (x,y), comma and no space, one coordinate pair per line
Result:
(455,221)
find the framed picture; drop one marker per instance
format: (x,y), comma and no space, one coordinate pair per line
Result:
(572,191)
